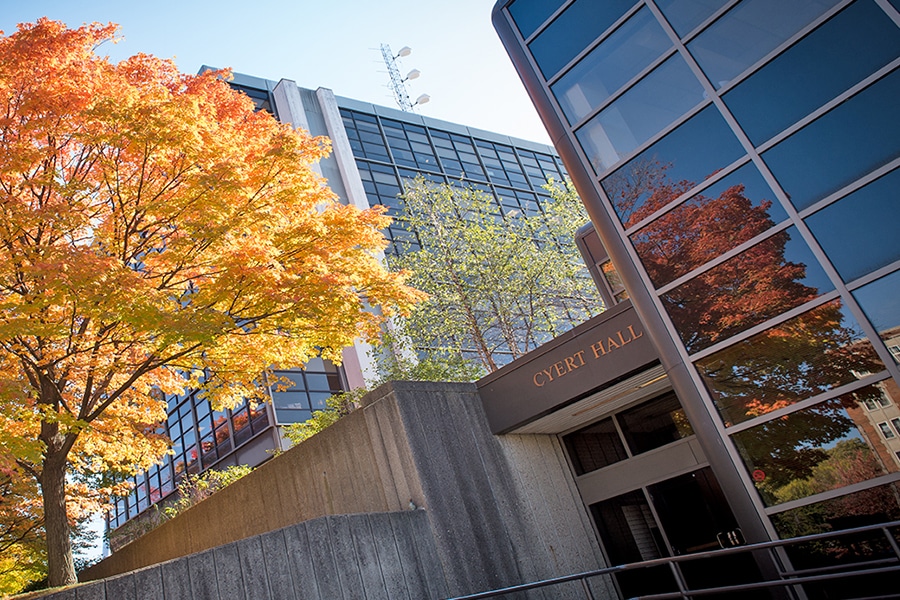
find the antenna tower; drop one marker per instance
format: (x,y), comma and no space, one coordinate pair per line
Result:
(398,82)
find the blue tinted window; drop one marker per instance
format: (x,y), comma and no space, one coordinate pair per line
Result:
(815,70)
(763,281)
(692,152)
(859,232)
(571,32)
(880,301)
(684,15)
(640,113)
(853,139)
(748,32)
(530,14)
(621,56)
(721,217)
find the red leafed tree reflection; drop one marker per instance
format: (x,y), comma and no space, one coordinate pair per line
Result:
(800,454)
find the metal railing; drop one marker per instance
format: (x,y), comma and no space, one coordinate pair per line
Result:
(788,582)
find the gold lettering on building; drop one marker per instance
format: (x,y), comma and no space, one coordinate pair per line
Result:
(575,361)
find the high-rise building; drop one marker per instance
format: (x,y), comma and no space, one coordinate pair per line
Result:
(740,160)
(374,149)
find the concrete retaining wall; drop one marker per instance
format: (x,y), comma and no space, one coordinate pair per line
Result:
(376,556)
(499,510)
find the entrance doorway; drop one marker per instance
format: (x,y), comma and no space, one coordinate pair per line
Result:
(652,495)
(677,516)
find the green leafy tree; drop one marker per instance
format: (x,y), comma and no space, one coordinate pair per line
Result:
(498,285)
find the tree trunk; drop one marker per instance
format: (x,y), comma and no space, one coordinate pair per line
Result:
(60,562)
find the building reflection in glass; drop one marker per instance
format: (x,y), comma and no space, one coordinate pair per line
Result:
(881,302)
(810,354)
(815,450)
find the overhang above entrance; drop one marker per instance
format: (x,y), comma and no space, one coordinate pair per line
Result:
(605,362)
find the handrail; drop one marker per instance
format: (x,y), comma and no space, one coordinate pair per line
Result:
(788,578)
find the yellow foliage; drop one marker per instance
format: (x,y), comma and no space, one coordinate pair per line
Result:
(157,233)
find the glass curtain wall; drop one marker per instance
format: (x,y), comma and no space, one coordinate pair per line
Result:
(201,437)
(390,151)
(748,153)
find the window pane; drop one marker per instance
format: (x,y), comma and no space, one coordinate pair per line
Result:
(748,32)
(317,381)
(776,97)
(621,56)
(758,284)
(654,424)
(531,14)
(640,113)
(868,221)
(711,223)
(595,447)
(867,507)
(692,152)
(795,360)
(293,416)
(811,451)
(318,400)
(880,300)
(685,15)
(290,400)
(809,165)
(580,24)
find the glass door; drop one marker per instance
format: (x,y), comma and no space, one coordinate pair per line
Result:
(681,515)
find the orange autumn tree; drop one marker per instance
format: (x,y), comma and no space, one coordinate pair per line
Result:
(155,234)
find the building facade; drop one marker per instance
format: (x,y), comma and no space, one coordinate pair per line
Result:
(374,150)
(739,160)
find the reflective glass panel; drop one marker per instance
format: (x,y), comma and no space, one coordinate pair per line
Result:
(572,31)
(879,504)
(811,451)
(815,70)
(594,447)
(531,14)
(748,32)
(849,141)
(808,355)
(621,56)
(685,15)
(758,284)
(861,232)
(640,113)
(290,400)
(654,423)
(286,416)
(711,223)
(692,152)
(880,300)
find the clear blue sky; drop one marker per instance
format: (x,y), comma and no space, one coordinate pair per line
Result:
(329,43)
